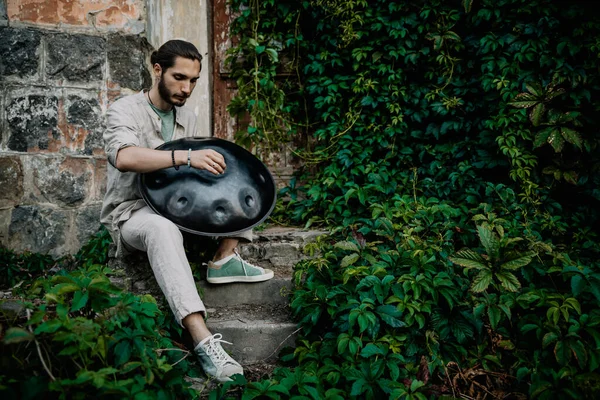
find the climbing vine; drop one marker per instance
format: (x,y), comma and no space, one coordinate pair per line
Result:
(452,153)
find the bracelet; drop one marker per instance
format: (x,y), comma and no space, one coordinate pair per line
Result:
(189,158)
(173,158)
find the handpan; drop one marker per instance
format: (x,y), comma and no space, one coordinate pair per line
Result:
(203,203)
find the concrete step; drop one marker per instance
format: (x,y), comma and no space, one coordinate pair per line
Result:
(274,291)
(257,333)
(278,248)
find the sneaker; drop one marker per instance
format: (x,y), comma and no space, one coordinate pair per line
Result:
(215,361)
(236,270)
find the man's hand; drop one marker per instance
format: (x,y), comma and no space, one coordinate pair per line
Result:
(209,160)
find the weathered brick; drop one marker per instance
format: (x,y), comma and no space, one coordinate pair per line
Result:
(32,122)
(108,14)
(85,124)
(127,61)
(37,229)
(87,222)
(62,182)
(18,51)
(75,58)
(11,181)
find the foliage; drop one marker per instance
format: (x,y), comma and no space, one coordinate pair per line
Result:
(452,153)
(73,334)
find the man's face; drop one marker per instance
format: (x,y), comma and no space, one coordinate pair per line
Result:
(177,82)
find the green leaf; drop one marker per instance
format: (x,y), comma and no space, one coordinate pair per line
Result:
(489,240)
(79,300)
(349,260)
(508,281)
(494,316)
(371,350)
(467,4)
(63,288)
(482,281)
(272,55)
(541,137)
(469,259)
(577,284)
(17,335)
(122,352)
(524,100)
(358,387)
(580,353)
(574,304)
(518,262)
(451,36)
(549,338)
(391,321)
(535,89)
(344,245)
(562,352)
(572,136)
(556,140)
(536,113)
(49,326)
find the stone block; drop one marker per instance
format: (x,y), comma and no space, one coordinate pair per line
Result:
(11,181)
(85,124)
(100,165)
(3,16)
(64,182)
(272,292)
(127,63)
(4,224)
(18,51)
(87,222)
(31,121)
(38,229)
(75,58)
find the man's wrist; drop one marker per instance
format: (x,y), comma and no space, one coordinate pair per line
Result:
(181,157)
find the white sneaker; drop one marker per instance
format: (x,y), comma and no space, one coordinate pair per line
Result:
(215,361)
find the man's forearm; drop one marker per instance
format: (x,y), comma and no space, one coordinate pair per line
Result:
(141,160)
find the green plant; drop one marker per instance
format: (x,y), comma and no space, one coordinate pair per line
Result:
(79,336)
(422,117)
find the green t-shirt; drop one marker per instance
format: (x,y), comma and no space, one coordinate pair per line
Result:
(167,122)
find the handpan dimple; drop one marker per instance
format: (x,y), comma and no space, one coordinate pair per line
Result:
(202,203)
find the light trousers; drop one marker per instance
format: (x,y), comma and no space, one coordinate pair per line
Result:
(163,242)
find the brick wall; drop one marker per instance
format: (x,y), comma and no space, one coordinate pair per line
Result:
(62,62)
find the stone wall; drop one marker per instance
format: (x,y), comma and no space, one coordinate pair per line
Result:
(62,63)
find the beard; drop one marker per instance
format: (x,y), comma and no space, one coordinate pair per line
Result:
(167,95)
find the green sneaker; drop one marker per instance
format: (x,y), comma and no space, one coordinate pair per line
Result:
(215,361)
(236,270)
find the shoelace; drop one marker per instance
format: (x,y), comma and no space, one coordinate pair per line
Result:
(212,349)
(244,263)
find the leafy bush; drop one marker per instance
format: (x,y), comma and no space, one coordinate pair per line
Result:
(452,152)
(73,334)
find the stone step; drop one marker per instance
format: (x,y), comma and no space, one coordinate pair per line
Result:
(278,248)
(272,292)
(257,333)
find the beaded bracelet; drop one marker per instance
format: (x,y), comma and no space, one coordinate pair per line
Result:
(189,158)
(173,158)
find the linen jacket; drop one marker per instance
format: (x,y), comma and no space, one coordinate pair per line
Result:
(132,122)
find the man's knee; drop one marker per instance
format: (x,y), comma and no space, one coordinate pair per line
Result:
(159,226)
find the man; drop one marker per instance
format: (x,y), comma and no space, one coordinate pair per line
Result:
(136,125)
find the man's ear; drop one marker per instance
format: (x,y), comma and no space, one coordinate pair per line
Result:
(157,69)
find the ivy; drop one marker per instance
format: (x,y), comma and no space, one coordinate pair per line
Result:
(451,149)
